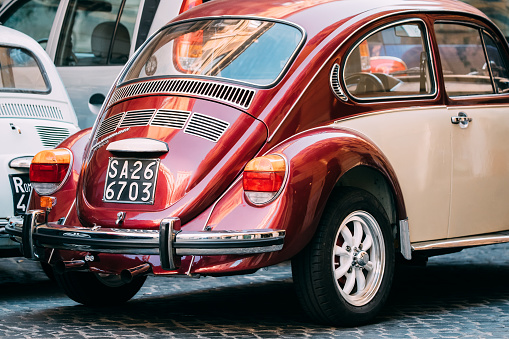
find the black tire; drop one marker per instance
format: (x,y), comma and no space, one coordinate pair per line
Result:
(92,289)
(334,300)
(48,270)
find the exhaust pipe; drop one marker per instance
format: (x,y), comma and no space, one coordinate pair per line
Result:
(128,275)
(65,266)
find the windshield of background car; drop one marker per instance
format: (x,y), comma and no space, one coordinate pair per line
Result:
(252,51)
(19,71)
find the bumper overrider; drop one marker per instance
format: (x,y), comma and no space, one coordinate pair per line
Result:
(169,241)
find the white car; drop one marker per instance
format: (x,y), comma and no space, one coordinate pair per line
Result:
(35,114)
(90,41)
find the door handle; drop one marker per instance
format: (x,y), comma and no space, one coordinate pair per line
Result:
(462,119)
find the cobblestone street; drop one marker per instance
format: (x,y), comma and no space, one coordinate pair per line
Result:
(463,294)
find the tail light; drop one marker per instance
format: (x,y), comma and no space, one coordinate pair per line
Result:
(188,4)
(49,170)
(263,178)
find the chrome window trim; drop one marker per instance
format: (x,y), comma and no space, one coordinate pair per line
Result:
(427,48)
(120,82)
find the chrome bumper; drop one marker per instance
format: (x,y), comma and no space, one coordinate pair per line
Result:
(166,242)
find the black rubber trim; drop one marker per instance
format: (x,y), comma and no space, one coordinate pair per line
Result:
(26,234)
(208,244)
(166,246)
(101,243)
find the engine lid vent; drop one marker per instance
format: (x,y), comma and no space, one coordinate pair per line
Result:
(231,94)
(137,118)
(170,118)
(31,111)
(109,125)
(52,136)
(206,127)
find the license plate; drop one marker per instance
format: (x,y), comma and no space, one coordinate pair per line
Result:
(131,180)
(21,189)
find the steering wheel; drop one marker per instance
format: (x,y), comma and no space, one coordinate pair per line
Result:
(364,83)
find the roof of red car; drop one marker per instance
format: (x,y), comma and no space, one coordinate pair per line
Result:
(325,12)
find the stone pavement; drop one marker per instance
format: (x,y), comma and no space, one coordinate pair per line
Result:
(464,294)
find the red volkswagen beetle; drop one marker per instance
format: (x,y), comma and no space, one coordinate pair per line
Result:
(341,135)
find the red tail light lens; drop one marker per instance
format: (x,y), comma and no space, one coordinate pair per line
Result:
(263,178)
(49,170)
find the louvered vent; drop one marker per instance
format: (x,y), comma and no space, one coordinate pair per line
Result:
(170,118)
(109,125)
(206,127)
(335,85)
(52,136)
(137,118)
(30,111)
(235,95)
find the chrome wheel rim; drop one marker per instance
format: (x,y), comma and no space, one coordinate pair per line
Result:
(358,258)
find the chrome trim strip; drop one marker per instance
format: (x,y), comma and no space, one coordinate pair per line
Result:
(21,162)
(29,226)
(470,241)
(138,145)
(404,239)
(335,83)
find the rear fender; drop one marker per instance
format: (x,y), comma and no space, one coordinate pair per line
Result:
(317,161)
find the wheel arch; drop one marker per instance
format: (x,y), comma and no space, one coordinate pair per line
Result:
(376,183)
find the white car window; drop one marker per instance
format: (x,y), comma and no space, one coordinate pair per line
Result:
(19,71)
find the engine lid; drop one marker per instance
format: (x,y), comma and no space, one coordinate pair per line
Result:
(197,146)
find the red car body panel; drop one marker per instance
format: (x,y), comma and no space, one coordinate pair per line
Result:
(192,174)
(294,119)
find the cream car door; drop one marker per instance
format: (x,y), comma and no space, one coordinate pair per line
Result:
(480,166)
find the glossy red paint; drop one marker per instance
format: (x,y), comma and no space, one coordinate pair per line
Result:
(192,174)
(294,119)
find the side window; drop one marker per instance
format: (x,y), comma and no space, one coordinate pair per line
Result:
(392,62)
(497,64)
(463,60)
(96,33)
(34,18)
(19,71)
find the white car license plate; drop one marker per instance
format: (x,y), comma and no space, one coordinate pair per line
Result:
(131,180)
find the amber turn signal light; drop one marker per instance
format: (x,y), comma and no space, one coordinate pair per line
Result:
(48,202)
(263,178)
